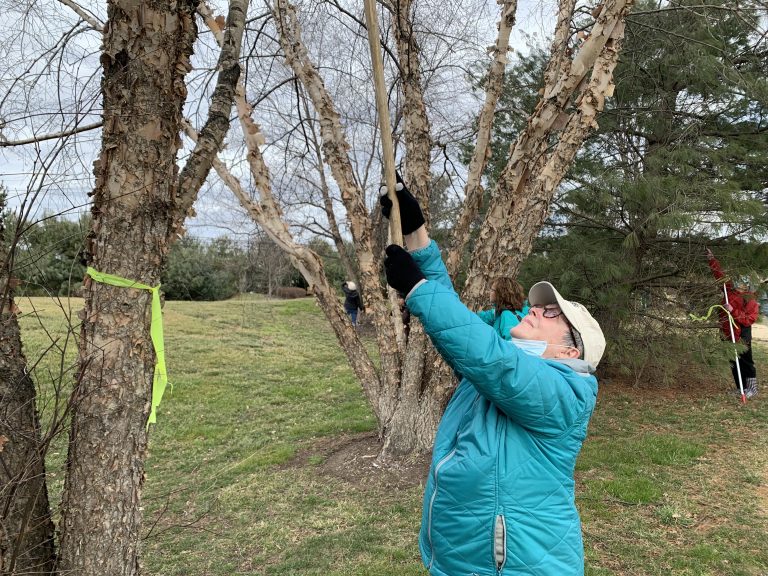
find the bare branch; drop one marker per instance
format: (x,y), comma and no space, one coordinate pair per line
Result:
(473,191)
(87,16)
(53,136)
(559,60)
(216,127)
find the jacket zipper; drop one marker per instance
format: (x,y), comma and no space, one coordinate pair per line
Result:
(500,543)
(500,523)
(431,502)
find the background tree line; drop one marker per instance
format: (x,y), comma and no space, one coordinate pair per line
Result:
(49,262)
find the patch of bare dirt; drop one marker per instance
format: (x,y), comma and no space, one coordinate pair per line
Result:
(760,331)
(354,458)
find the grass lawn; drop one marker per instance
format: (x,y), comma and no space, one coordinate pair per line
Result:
(243,475)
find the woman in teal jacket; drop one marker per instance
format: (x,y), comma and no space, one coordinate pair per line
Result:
(499,499)
(509,306)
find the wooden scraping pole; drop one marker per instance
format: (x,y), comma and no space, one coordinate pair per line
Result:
(388,149)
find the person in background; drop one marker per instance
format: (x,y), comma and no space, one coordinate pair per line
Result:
(499,498)
(352,301)
(509,306)
(744,308)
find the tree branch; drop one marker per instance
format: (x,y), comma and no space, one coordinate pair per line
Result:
(63,134)
(473,190)
(216,126)
(94,22)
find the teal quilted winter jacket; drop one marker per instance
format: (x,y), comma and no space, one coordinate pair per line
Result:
(499,499)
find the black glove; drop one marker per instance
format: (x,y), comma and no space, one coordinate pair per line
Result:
(401,269)
(411,218)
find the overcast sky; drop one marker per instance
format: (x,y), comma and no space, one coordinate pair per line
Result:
(71,83)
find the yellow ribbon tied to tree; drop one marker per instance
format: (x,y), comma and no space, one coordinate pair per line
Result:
(160,379)
(709,314)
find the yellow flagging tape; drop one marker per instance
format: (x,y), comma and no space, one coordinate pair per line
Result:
(160,379)
(709,313)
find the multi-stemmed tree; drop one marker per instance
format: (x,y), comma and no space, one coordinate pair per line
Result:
(409,389)
(141,198)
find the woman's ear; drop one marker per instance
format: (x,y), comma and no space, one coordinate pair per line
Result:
(567,352)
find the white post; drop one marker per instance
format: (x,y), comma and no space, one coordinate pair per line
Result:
(735,351)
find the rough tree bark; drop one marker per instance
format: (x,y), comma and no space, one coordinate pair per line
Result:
(413,419)
(417,134)
(26,528)
(409,393)
(520,202)
(139,203)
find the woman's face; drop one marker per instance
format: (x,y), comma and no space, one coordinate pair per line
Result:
(537,325)
(492,293)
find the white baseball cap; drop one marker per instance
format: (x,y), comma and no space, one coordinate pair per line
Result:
(351,285)
(543,293)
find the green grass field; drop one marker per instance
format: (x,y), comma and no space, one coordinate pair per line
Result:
(239,482)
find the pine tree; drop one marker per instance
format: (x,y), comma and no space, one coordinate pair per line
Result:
(678,162)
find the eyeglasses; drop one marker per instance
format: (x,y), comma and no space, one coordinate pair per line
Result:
(550,311)
(553,311)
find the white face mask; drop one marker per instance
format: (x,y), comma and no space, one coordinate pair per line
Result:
(532,347)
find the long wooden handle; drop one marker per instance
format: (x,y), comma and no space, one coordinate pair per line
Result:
(388,149)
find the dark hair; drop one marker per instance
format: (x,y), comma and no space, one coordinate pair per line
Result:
(509,294)
(573,339)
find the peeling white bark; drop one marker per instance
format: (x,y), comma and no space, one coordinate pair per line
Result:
(335,152)
(473,191)
(520,203)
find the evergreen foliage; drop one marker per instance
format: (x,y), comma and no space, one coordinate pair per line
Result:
(334,269)
(203,271)
(679,162)
(48,254)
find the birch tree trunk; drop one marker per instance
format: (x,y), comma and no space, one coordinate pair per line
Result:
(336,154)
(338,241)
(413,420)
(26,528)
(406,422)
(410,391)
(473,191)
(139,204)
(521,201)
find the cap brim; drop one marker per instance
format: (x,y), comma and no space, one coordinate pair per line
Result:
(543,293)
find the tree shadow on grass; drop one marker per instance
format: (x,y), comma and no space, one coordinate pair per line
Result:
(352,458)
